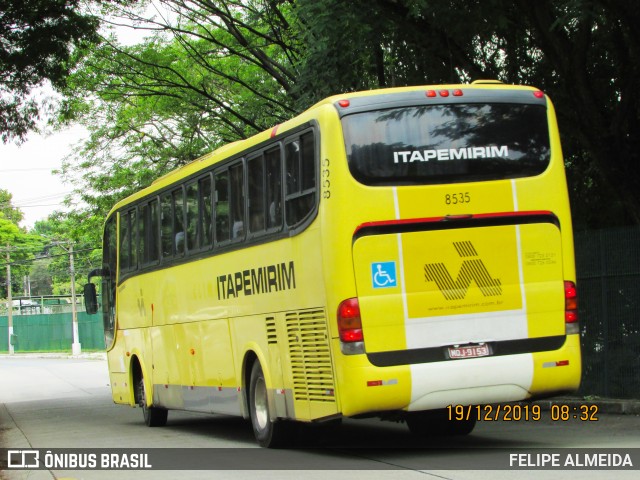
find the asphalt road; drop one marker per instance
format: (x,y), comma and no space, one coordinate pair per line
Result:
(55,403)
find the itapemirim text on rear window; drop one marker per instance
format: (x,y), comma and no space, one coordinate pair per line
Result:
(447,143)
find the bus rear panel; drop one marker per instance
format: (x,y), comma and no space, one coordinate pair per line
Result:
(465,280)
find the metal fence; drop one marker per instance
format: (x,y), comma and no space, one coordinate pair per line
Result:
(51,332)
(608,268)
(42,304)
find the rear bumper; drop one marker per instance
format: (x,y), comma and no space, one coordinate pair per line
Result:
(366,388)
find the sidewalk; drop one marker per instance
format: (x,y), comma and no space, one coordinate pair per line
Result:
(83,356)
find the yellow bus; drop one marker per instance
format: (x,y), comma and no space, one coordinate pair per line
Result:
(395,253)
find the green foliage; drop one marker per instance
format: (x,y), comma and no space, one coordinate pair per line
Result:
(41,282)
(214,72)
(18,249)
(366,44)
(36,39)
(584,54)
(61,232)
(7,210)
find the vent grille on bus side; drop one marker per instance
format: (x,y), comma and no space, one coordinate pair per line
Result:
(310,356)
(272,337)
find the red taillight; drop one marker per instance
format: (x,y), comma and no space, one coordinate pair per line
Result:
(570,302)
(571,316)
(538,94)
(344,103)
(444,93)
(349,323)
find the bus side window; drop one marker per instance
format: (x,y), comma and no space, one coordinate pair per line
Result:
(292,159)
(273,164)
(128,241)
(307,163)
(237,202)
(301,178)
(148,233)
(206,212)
(154,248)
(109,280)
(221,185)
(265,191)
(152,229)
(192,230)
(255,174)
(166,225)
(178,221)
(142,244)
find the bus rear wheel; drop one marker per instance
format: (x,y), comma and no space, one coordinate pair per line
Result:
(269,432)
(153,416)
(434,423)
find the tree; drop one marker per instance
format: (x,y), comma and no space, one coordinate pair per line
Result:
(21,249)
(214,72)
(584,53)
(36,40)
(59,231)
(208,74)
(20,246)
(7,210)
(41,281)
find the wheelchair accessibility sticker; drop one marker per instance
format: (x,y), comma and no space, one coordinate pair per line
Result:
(384,274)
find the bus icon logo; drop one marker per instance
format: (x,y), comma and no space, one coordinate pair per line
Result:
(384,274)
(23,458)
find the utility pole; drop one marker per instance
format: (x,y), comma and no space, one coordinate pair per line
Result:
(76,348)
(9,301)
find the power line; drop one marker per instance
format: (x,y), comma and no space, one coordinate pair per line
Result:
(31,260)
(22,203)
(29,203)
(11,170)
(32,206)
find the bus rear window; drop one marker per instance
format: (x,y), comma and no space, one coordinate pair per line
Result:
(447,143)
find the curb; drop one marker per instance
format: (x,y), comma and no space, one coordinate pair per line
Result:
(10,434)
(69,356)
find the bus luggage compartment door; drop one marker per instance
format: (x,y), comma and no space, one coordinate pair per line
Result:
(433,289)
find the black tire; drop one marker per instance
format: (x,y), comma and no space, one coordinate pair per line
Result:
(153,416)
(435,423)
(269,432)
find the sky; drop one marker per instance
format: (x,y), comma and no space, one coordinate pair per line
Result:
(26,172)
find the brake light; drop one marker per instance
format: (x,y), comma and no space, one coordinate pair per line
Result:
(570,302)
(444,93)
(538,94)
(349,322)
(344,103)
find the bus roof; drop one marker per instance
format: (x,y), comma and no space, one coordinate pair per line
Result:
(234,148)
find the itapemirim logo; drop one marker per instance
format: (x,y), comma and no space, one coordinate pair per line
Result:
(472,269)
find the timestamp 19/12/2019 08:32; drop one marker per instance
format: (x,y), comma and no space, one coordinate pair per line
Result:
(523,412)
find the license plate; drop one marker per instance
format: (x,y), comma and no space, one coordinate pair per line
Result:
(469,351)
